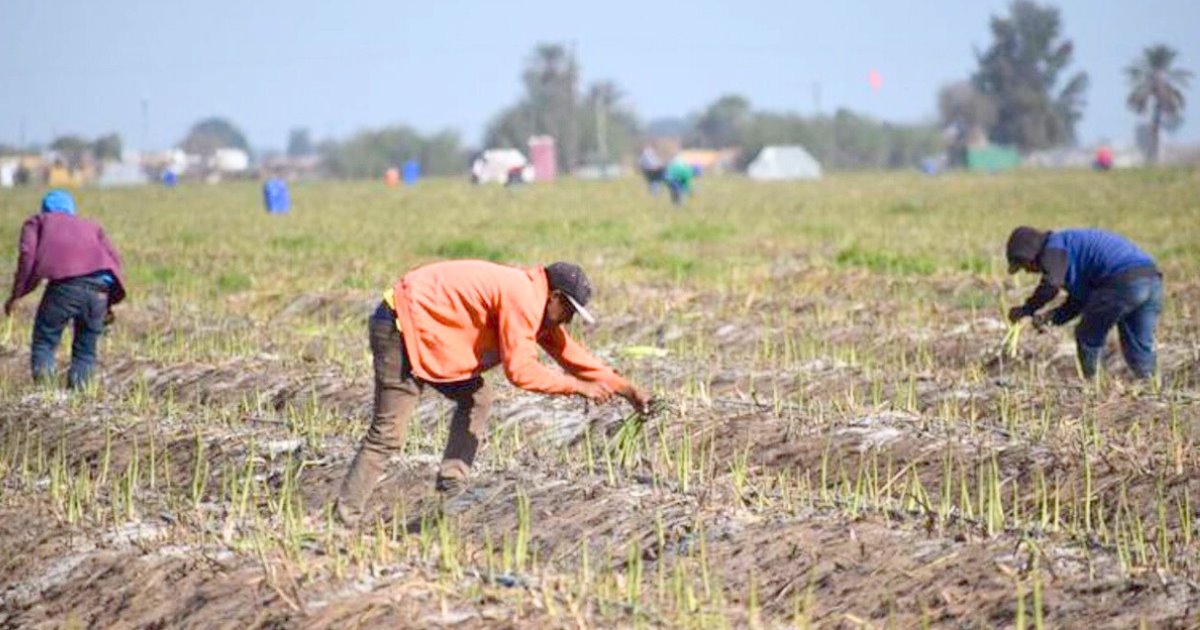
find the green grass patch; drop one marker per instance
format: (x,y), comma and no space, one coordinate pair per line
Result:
(299,243)
(673,264)
(907,207)
(697,232)
(1189,252)
(471,248)
(607,232)
(233,281)
(975,264)
(162,275)
(885,262)
(357,282)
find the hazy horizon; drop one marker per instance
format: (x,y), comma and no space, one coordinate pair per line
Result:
(85,68)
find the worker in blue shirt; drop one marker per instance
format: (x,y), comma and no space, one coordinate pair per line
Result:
(1109,282)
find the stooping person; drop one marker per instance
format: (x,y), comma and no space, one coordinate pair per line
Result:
(1109,282)
(445,324)
(652,168)
(678,178)
(84,279)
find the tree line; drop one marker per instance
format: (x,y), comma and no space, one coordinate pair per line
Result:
(1023,94)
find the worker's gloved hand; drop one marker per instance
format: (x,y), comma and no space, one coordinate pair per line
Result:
(109,317)
(1041,321)
(595,392)
(9,304)
(1016,313)
(637,397)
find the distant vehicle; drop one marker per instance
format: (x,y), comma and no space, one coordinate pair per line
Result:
(501,166)
(227,160)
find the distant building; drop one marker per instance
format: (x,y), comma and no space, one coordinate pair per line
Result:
(1077,157)
(543,155)
(709,160)
(291,167)
(1180,154)
(123,173)
(599,171)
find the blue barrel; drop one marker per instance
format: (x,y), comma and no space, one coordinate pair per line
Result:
(412,172)
(275,196)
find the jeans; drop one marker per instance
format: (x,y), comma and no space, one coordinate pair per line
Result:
(678,191)
(84,300)
(397,392)
(654,176)
(1133,306)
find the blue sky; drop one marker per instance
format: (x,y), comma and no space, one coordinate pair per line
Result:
(335,67)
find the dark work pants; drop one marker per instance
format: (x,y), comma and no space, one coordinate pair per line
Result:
(83,301)
(654,176)
(678,191)
(1133,306)
(397,392)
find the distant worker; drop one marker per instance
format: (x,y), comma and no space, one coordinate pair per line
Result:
(679,180)
(445,324)
(1109,282)
(1104,159)
(84,277)
(58,174)
(391,177)
(24,176)
(651,167)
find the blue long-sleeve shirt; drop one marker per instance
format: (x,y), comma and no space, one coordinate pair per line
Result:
(1095,256)
(1079,260)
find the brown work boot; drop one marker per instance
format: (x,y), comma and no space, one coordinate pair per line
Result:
(348,517)
(455,495)
(450,487)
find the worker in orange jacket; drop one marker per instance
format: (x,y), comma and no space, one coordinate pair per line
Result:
(443,326)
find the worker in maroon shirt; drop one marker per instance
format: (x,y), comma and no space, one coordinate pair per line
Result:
(84,277)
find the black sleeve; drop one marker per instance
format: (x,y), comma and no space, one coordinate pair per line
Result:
(1066,312)
(1054,273)
(1041,296)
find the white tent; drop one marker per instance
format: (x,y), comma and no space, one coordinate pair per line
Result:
(784,162)
(8,174)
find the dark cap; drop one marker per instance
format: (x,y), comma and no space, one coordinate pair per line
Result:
(574,284)
(1024,245)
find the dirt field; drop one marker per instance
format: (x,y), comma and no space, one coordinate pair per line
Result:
(844,441)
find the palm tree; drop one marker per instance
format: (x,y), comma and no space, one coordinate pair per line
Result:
(1152,79)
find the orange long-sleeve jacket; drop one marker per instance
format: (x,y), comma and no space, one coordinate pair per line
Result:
(460,318)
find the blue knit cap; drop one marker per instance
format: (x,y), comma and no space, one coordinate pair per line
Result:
(58,201)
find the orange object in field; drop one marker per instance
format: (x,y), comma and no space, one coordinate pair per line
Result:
(391,177)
